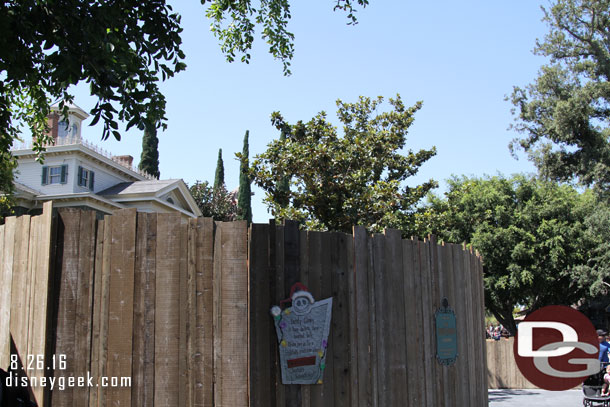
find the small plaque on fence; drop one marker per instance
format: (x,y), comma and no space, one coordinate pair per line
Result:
(302,333)
(446,334)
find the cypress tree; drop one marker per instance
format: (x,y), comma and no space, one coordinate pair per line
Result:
(244,204)
(219,179)
(149,160)
(283,185)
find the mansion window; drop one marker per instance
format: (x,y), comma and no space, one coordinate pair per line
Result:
(85,178)
(66,130)
(57,174)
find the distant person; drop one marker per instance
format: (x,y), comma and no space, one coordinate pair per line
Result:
(497,333)
(604,346)
(605,391)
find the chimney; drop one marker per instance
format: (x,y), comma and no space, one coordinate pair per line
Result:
(125,159)
(53,123)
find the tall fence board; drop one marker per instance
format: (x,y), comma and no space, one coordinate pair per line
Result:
(180,309)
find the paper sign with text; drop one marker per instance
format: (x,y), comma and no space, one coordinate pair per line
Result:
(302,332)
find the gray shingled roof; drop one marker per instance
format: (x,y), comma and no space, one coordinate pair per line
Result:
(25,188)
(138,187)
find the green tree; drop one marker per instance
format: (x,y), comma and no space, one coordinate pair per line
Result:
(565,113)
(530,233)
(338,182)
(215,203)
(594,275)
(122,49)
(244,199)
(149,160)
(219,178)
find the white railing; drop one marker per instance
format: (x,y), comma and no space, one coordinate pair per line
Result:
(75,140)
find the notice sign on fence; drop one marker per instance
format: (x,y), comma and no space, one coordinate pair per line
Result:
(302,332)
(446,334)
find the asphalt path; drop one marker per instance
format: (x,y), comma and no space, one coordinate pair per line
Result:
(527,398)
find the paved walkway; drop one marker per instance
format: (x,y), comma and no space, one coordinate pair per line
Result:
(535,398)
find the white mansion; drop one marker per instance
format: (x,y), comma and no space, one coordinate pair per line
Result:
(76,173)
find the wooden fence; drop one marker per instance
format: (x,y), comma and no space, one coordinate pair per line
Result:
(181,307)
(503,370)
(26,249)
(382,347)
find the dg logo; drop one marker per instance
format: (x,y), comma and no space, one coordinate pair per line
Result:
(556,348)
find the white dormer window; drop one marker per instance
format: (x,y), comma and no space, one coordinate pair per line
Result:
(85,178)
(57,174)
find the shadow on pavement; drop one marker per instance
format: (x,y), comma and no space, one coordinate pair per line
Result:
(507,394)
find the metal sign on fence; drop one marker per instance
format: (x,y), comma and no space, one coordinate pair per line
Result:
(302,332)
(446,334)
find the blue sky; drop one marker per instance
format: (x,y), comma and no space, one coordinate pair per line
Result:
(460,58)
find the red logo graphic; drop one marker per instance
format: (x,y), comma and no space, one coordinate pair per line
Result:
(556,348)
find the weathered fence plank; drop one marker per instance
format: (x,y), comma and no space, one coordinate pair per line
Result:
(340,320)
(84,304)
(184,374)
(352,316)
(292,275)
(204,375)
(191,309)
(382,308)
(167,311)
(96,316)
(427,326)
(315,288)
(231,278)
(66,292)
(363,333)
(372,321)
(21,284)
(396,363)
(304,278)
(143,383)
(120,302)
(262,333)
(328,393)
(41,307)
(412,352)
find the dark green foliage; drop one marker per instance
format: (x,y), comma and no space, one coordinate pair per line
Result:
(338,182)
(122,49)
(244,199)
(7,166)
(530,233)
(565,113)
(215,203)
(594,275)
(149,160)
(234,25)
(219,178)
